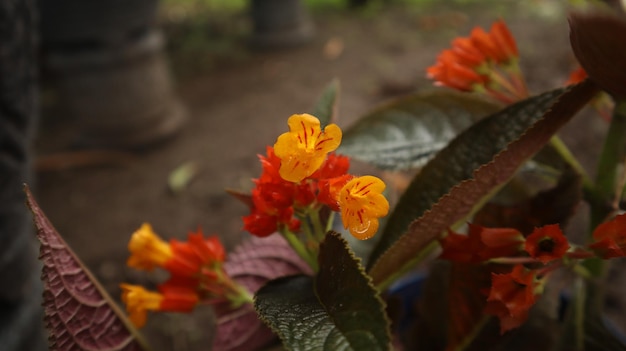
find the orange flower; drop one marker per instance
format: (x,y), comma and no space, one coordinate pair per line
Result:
(547,243)
(139,300)
(330,189)
(198,256)
(504,42)
(450,73)
(576,76)
(511,296)
(485,62)
(481,244)
(361,202)
(610,238)
(303,149)
(147,249)
(190,258)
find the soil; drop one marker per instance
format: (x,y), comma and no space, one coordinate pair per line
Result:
(237,105)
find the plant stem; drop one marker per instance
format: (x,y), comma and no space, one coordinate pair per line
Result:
(318,229)
(610,168)
(300,249)
(610,165)
(571,160)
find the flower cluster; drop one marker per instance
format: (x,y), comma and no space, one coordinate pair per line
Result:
(532,258)
(301,174)
(196,274)
(485,62)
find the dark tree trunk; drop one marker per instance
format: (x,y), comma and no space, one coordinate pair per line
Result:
(20,289)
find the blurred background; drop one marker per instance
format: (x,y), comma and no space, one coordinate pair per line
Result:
(151,109)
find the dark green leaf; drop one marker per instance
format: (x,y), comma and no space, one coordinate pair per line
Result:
(406,133)
(325,108)
(469,170)
(339,309)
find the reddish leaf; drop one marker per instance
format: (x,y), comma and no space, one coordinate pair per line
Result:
(600,50)
(79,314)
(252,264)
(552,206)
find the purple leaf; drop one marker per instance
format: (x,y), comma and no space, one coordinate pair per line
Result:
(252,264)
(79,314)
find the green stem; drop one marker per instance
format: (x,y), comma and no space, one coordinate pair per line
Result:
(301,249)
(318,229)
(610,165)
(571,160)
(607,187)
(331,219)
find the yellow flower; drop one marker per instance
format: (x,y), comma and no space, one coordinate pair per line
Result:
(303,149)
(147,249)
(362,203)
(138,301)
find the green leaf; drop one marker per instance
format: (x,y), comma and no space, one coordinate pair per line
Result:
(182,176)
(325,108)
(407,132)
(80,315)
(467,172)
(339,309)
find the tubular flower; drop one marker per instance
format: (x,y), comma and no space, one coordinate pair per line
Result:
(139,300)
(147,249)
(511,296)
(610,238)
(547,243)
(303,149)
(484,62)
(481,244)
(362,203)
(196,256)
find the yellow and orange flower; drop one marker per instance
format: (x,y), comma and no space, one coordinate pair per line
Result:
(304,148)
(148,250)
(139,301)
(361,202)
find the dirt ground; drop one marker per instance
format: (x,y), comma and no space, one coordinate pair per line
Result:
(240,104)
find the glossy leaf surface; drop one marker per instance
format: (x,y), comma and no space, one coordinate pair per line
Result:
(406,133)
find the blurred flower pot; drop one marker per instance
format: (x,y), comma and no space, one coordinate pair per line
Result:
(121,96)
(72,23)
(280,23)
(107,61)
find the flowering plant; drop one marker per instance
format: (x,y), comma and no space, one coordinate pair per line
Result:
(487,212)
